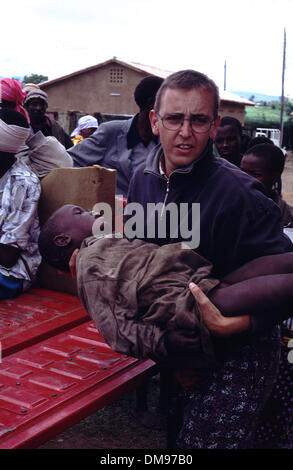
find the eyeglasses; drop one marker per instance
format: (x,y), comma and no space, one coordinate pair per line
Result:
(198,122)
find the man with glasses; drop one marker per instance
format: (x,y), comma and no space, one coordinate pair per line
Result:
(237,224)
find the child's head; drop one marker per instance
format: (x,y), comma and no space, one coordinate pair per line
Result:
(62,233)
(261,139)
(265,162)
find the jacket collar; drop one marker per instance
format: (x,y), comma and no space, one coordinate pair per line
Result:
(157,153)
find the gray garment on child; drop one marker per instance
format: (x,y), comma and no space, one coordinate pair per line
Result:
(136,291)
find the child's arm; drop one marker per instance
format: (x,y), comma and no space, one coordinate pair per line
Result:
(271,264)
(256,296)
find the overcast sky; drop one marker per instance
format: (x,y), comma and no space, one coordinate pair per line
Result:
(57,37)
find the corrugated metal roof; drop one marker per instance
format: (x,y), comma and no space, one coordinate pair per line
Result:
(227,96)
(147,69)
(151,70)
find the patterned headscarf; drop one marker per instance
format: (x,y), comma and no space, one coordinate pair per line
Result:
(10,90)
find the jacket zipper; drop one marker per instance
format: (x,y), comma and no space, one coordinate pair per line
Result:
(165,199)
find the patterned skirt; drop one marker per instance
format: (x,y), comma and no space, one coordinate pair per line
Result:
(224,411)
(275,429)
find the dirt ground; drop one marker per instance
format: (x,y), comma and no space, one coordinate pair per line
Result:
(287,179)
(114,427)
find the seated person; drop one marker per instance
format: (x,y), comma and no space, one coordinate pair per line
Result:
(265,162)
(19,196)
(137,292)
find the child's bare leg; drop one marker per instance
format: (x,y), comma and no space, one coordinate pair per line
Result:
(266,265)
(258,295)
(142,413)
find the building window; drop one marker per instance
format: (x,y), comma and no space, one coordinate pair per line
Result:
(116,75)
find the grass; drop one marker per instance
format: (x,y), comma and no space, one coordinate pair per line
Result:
(264,116)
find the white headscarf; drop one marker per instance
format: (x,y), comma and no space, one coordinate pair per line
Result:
(46,153)
(84,123)
(12,137)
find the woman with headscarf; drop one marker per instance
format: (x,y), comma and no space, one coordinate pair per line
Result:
(19,196)
(12,95)
(87,125)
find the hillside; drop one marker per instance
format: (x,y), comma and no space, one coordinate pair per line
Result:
(257,96)
(263,114)
(268,115)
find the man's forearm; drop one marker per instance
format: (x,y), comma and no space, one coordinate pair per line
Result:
(217,324)
(234,325)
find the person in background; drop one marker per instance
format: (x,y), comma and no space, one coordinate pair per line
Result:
(12,96)
(228,140)
(261,139)
(87,125)
(265,162)
(40,153)
(122,145)
(19,196)
(36,103)
(245,142)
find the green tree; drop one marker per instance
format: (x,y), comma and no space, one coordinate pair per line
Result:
(34,78)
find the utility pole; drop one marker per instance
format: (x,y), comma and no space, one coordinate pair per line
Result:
(225,71)
(282,97)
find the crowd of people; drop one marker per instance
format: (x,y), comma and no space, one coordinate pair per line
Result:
(213,316)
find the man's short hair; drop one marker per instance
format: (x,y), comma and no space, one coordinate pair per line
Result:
(272,154)
(261,139)
(231,121)
(145,92)
(55,256)
(186,80)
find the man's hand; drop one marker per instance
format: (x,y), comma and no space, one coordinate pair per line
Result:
(72,263)
(217,324)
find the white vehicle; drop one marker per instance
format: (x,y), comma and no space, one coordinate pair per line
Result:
(273,134)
